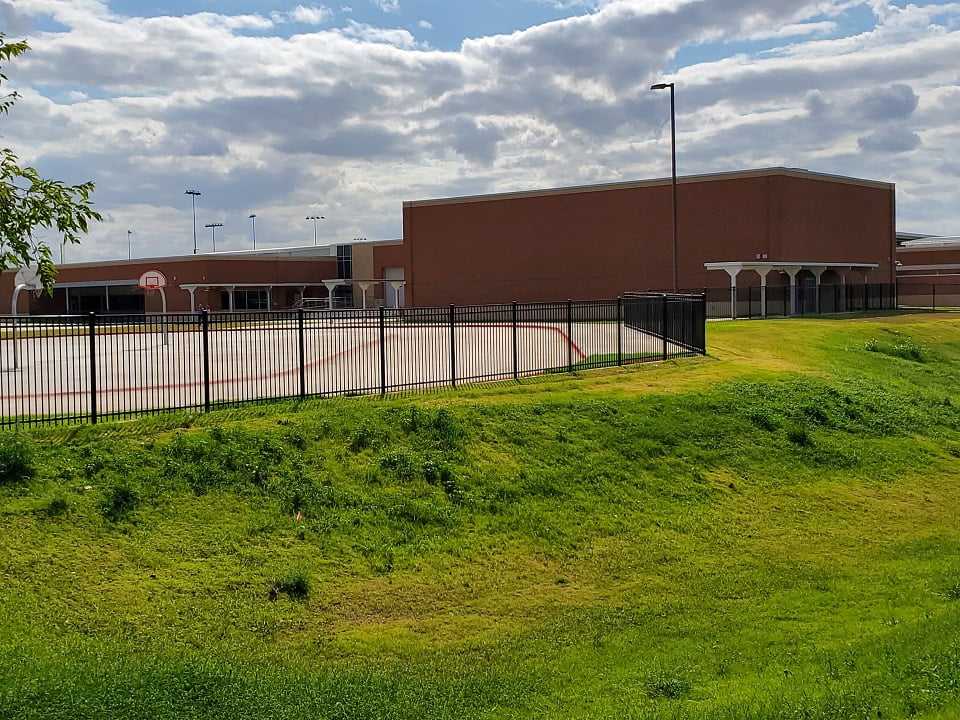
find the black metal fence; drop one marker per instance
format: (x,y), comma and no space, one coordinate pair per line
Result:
(679,320)
(928,296)
(784,301)
(67,369)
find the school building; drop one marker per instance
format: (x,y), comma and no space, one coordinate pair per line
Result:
(775,227)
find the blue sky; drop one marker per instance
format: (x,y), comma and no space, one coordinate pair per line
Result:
(288,109)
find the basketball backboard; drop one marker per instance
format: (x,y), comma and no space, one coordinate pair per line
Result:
(29,278)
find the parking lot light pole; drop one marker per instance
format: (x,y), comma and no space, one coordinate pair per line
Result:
(193,200)
(213,233)
(673,167)
(253,228)
(315,218)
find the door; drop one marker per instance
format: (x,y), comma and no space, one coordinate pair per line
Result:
(392,298)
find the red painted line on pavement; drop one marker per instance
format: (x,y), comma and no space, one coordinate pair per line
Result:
(282,373)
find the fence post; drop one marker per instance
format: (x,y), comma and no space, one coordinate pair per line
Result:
(619,330)
(569,335)
(383,353)
(92,326)
(702,325)
(516,352)
(663,324)
(453,349)
(205,335)
(303,353)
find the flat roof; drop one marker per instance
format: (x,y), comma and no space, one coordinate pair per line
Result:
(323,252)
(686,179)
(929,243)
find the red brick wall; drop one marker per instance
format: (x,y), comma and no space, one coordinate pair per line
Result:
(600,242)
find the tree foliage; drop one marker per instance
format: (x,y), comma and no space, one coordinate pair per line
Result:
(29,202)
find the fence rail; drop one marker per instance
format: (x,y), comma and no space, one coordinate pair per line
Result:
(73,369)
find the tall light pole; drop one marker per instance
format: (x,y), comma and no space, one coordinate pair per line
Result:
(673,166)
(129,245)
(193,199)
(213,233)
(315,218)
(253,227)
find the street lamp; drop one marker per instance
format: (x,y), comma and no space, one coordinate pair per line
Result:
(193,199)
(213,233)
(673,166)
(253,226)
(315,218)
(129,245)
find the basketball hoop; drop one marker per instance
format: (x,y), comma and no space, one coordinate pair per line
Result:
(156,280)
(152,280)
(28,278)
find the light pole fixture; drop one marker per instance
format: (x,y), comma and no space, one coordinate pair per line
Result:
(253,227)
(315,218)
(193,199)
(129,245)
(673,168)
(213,233)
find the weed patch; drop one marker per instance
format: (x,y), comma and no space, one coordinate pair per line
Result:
(16,458)
(294,585)
(903,348)
(120,502)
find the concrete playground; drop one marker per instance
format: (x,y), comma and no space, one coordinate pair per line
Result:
(64,373)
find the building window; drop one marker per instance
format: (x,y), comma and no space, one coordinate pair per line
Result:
(344,262)
(245,300)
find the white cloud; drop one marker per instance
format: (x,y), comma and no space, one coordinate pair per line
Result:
(314,15)
(388,6)
(350,121)
(390,36)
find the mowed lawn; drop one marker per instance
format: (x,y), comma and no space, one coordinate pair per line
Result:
(772,531)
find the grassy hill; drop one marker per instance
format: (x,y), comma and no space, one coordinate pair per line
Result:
(769,532)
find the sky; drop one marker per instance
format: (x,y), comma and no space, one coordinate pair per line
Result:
(291,109)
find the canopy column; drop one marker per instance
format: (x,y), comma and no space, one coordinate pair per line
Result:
(733,271)
(792,272)
(364,286)
(818,271)
(398,286)
(763,272)
(331,285)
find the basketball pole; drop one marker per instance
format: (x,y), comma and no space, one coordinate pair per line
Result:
(163,300)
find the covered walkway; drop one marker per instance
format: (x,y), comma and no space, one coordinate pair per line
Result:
(792,270)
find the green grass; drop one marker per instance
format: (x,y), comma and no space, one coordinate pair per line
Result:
(606,359)
(769,532)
